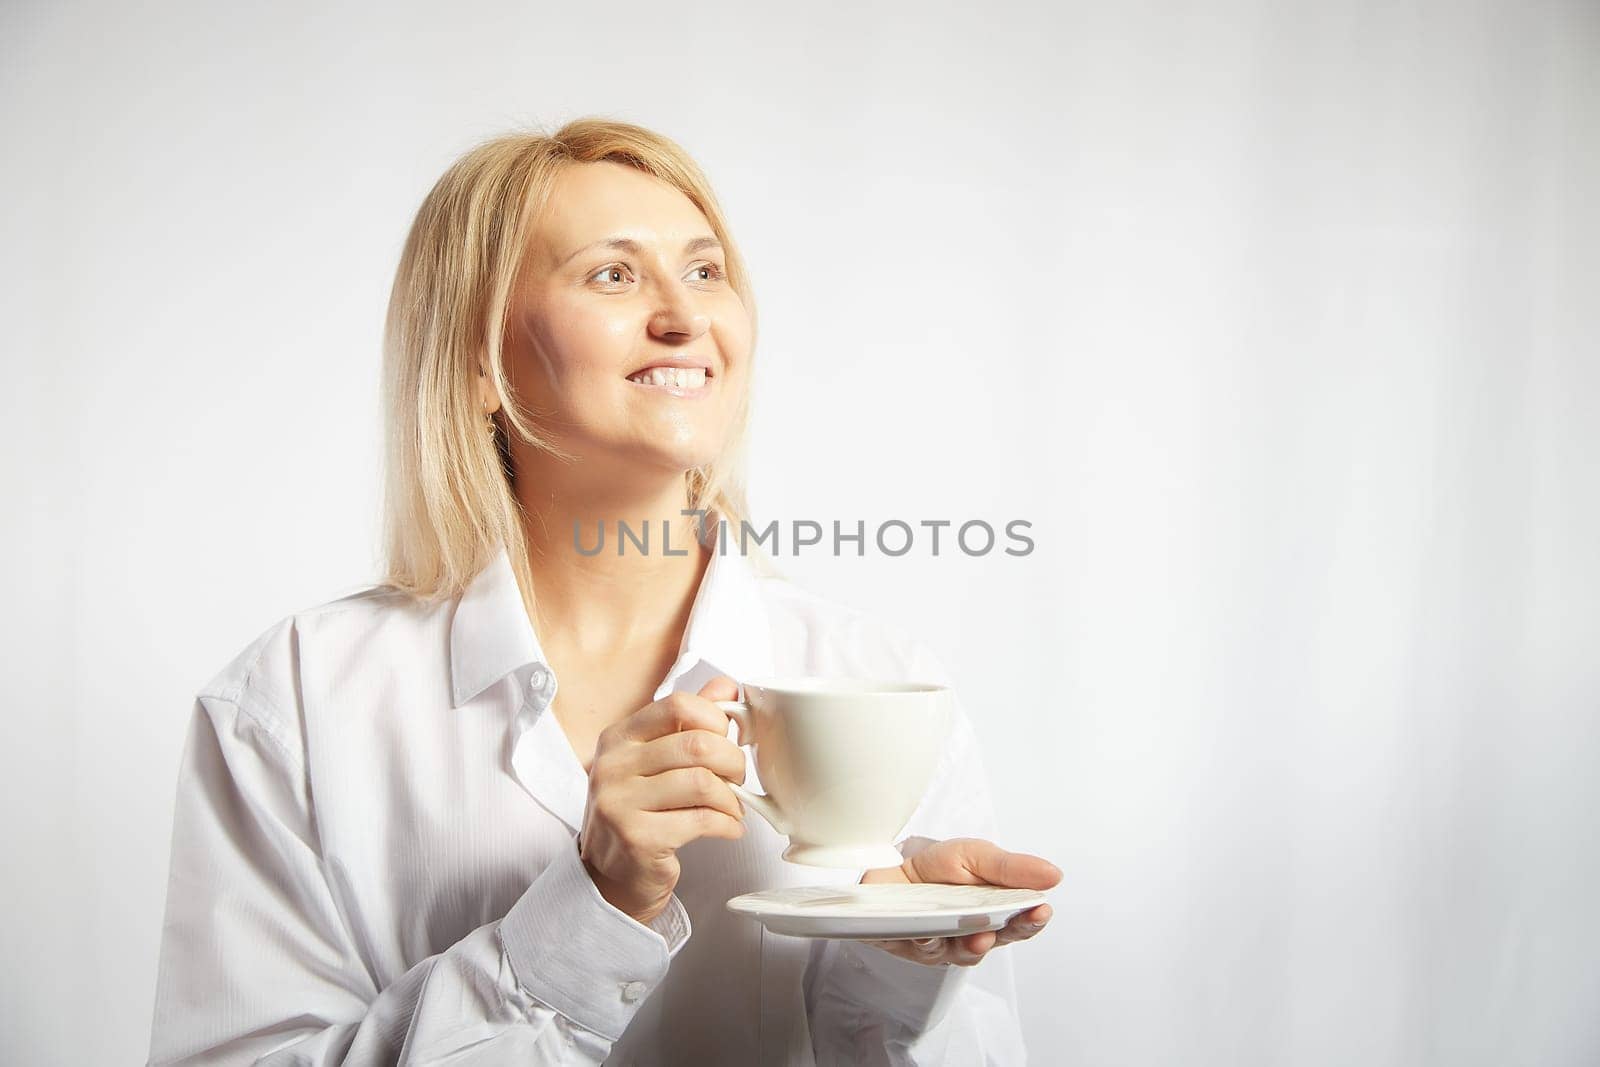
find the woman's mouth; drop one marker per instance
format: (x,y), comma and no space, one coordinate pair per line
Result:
(673,381)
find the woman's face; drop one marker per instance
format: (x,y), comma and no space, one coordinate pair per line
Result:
(626,275)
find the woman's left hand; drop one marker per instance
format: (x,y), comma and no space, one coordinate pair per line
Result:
(969,861)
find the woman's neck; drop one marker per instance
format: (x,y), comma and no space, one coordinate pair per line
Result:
(597,591)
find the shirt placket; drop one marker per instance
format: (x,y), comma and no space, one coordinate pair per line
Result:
(542,757)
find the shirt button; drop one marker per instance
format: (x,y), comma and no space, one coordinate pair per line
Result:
(537,680)
(632,991)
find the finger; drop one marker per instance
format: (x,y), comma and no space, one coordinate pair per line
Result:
(953,950)
(678,827)
(1024,925)
(970,949)
(980,862)
(720,688)
(688,787)
(918,950)
(1030,919)
(690,748)
(930,951)
(674,712)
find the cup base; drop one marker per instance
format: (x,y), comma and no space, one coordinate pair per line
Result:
(844,855)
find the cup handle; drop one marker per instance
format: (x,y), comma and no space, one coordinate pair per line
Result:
(764,806)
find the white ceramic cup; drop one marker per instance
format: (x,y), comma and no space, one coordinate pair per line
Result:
(844,762)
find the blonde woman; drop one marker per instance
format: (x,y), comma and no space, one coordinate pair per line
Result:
(479,812)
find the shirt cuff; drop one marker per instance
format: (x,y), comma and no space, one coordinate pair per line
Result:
(914,995)
(571,949)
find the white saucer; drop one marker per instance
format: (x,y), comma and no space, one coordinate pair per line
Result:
(883,912)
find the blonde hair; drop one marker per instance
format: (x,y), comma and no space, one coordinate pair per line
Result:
(449,499)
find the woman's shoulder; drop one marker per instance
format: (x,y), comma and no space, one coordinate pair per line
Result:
(263,678)
(818,634)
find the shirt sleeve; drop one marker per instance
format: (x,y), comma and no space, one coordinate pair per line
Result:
(868,1006)
(258,965)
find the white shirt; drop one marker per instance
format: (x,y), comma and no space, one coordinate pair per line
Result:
(374,859)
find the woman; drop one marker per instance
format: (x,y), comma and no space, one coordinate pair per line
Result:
(394,842)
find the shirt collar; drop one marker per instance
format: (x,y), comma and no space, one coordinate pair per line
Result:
(491,635)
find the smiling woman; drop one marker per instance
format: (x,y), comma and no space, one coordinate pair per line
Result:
(483,811)
(608,345)
(549,271)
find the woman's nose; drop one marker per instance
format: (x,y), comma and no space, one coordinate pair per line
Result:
(678,314)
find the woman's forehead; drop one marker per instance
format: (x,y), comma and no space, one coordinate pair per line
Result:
(595,202)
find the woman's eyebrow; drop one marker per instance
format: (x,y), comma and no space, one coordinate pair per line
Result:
(627,244)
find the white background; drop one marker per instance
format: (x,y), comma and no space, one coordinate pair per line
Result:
(1278,323)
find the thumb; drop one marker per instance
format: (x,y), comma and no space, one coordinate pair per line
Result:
(985,863)
(720,688)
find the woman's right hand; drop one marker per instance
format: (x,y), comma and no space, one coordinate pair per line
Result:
(659,781)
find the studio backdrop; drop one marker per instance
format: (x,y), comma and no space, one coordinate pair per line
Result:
(1275,325)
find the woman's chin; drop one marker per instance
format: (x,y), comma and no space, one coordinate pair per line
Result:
(665,464)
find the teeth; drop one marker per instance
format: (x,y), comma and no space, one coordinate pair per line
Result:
(673,377)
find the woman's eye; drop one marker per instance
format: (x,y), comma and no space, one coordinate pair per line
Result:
(606,272)
(617,273)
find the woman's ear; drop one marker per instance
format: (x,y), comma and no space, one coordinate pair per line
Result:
(488,399)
